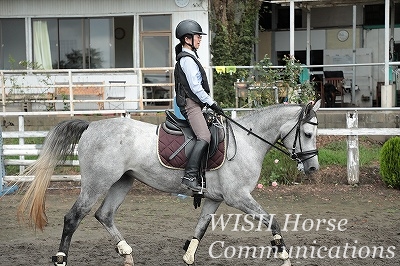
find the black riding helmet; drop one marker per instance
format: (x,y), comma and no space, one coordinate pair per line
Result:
(186,27)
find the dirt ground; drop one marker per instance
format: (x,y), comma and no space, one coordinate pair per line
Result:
(361,218)
(337,224)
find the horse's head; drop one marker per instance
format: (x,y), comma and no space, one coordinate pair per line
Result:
(300,137)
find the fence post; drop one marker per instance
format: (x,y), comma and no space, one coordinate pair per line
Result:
(2,168)
(3,188)
(71,93)
(233,114)
(352,150)
(21,128)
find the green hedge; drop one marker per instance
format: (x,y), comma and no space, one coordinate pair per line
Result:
(390,162)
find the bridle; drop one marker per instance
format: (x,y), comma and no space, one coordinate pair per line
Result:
(306,114)
(304,117)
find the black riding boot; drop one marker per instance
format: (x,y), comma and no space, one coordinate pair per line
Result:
(192,170)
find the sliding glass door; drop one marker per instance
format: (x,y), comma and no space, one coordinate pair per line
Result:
(75,43)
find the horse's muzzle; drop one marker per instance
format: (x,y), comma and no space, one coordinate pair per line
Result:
(311,170)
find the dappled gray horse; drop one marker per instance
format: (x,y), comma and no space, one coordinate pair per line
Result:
(113,153)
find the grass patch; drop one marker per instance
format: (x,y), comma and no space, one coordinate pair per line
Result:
(335,153)
(280,168)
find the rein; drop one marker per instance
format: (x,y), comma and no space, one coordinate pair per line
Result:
(293,155)
(250,132)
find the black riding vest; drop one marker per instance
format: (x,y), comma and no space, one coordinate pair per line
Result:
(182,88)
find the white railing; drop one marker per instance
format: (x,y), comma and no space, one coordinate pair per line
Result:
(43,86)
(36,82)
(352,132)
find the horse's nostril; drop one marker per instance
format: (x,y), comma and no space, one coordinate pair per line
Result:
(312,169)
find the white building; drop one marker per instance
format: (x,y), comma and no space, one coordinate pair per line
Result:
(327,28)
(98,34)
(129,34)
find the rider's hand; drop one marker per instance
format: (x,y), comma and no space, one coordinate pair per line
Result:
(217,109)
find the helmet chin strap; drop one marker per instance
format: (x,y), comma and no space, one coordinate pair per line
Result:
(192,46)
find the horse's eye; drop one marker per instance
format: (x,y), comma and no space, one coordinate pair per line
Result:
(308,135)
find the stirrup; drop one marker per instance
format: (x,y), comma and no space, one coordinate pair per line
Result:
(191,183)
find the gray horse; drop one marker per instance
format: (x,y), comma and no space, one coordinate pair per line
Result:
(113,153)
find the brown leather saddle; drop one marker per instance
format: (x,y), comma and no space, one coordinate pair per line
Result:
(176,141)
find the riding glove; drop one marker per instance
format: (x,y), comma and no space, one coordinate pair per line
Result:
(216,108)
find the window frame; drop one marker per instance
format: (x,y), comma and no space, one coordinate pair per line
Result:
(162,73)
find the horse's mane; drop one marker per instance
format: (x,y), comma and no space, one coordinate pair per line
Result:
(270,109)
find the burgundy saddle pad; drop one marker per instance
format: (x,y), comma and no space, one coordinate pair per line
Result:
(169,156)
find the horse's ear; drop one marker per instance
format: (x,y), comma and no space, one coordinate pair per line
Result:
(317,105)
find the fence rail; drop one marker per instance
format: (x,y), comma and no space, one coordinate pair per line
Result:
(359,132)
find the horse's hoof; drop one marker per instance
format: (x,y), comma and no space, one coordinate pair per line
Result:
(286,263)
(128,260)
(60,259)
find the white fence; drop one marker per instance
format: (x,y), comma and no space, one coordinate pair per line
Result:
(352,132)
(86,89)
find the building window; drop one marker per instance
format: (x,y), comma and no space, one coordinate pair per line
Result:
(284,18)
(12,40)
(101,43)
(155,40)
(44,38)
(375,15)
(123,38)
(395,55)
(265,16)
(316,58)
(73,43)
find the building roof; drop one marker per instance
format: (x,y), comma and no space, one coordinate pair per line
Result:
(328,3)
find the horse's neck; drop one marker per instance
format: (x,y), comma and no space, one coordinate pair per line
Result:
(266,125)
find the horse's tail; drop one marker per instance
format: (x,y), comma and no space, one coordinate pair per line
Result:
(58,145)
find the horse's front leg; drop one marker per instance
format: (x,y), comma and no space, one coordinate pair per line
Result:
(270,221)
(209,207)
(246,203)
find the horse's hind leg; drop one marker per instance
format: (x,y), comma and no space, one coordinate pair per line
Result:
(105,215)
(82,206)
(209,208)
(246,203)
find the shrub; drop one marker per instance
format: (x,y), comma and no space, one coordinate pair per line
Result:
(390,162)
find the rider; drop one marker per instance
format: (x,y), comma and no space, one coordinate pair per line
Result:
(192,95)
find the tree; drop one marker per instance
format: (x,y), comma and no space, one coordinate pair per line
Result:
(234,25)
